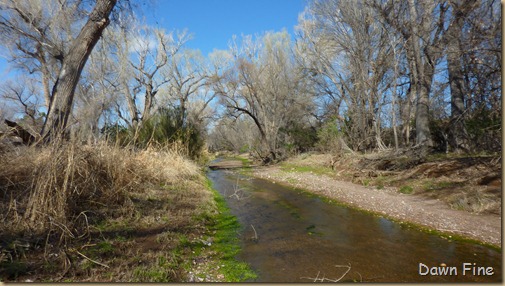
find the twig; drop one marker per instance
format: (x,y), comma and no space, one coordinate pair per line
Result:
(63,227)
(255,233)
(87,223)
(96,262)
(236,192)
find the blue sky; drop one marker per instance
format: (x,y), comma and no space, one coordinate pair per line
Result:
(214,22)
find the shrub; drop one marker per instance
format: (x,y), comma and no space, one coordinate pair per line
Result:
(329,137)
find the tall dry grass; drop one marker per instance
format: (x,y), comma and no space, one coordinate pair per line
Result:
(63,187)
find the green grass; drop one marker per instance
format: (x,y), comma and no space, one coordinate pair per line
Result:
(406,190)
(434,186)
(159,272)
(318,170)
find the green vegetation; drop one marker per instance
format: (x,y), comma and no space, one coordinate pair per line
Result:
(318,170)
(226,244)
(246,163)
(311,230)
(406,190)
(13,269)
(168,127)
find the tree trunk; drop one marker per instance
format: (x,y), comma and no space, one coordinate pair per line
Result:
(458,136)
(422,84)
(73,63)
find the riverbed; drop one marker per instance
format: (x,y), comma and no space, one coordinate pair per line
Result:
(291,236)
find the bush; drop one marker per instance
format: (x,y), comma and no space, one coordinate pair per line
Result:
(329,137)
(168,127)
(300,138)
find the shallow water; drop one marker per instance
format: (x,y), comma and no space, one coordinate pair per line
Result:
(300,238)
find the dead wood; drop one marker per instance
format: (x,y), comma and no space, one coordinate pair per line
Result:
(17,130)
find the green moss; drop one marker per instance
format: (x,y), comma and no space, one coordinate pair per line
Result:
(293,211)
(225,227)
(311,230)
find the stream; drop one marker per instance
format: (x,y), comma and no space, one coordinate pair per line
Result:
(291,236)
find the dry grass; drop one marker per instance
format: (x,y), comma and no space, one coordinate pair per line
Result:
(87,213)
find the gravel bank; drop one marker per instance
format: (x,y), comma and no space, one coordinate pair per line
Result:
(410,208)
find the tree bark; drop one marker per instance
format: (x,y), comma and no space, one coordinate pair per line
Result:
(73,63)
(422,84)
(458,136)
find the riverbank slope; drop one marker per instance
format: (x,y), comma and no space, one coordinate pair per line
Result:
(78,213)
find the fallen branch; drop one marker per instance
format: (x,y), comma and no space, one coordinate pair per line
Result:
(237,192)
(96,262)
(17,130)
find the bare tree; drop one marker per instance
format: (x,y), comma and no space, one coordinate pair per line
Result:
(62,95)
(36,34)
(472,45)
(188,79)
(348,55)
(144,55)
(265,85)
(97,91)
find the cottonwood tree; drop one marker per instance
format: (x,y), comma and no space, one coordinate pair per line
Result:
(36,35)
(97,92)
(423,27)
(450,32)
(347,54)
(187,76)
(454,39)
(473,43)
(264,85)
(233,134)
(72,63)
(144,54)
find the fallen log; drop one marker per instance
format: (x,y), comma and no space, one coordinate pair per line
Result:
(16,130)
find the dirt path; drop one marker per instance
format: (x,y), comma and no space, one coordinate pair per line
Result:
(420,210)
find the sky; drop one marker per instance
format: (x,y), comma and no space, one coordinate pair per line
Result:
(213,22)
